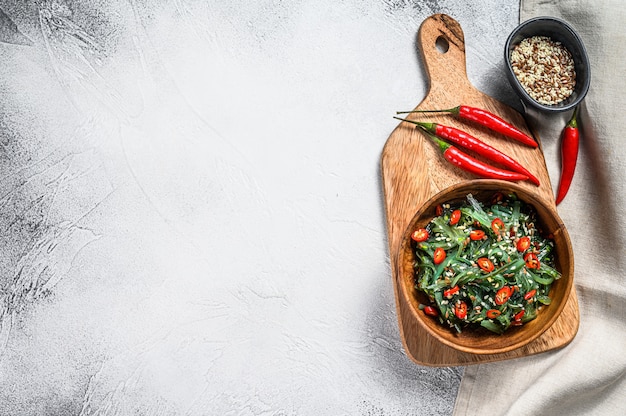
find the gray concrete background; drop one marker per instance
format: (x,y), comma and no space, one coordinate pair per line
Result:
(191,204)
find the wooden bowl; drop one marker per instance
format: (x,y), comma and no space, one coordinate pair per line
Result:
(479,340)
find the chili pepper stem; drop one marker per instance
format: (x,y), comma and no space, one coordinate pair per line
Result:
(573,122)
(454,110)
(443,146)
(431,127)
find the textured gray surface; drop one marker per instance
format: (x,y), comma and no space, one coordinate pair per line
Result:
(191,204)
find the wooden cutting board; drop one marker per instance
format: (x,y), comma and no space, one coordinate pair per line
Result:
(413,171)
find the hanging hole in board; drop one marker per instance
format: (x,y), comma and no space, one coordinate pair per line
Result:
(442,44)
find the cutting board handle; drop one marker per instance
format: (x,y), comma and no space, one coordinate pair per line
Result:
(442,43)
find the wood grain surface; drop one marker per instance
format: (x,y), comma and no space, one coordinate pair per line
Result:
(413,171)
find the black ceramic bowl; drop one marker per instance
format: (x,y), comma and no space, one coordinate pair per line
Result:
(559,31)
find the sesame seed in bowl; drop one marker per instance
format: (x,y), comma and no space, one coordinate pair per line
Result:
(545,68)
(547,64)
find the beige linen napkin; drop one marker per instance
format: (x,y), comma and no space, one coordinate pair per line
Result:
(588,377)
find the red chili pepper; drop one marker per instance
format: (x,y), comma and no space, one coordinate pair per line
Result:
(460,309)
(569,155)
(473,165)
(523,244)
(532,261)
(530,294)
(497,225)
(493,313)
(419,235)
(455,217)
(439,255)
(518,316)
(485,264)
(497,198)
(463,139)
(448,293)
(429,310)
(476,235)
(503,295)
(486,119)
